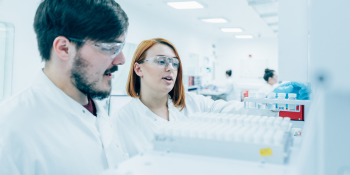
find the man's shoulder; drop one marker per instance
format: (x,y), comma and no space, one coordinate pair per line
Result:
(15,118)
(20,106)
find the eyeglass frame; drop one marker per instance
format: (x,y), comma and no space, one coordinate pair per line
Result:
(95,44)
(166,65)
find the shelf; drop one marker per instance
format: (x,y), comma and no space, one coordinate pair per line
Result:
(286,101)
(265,104)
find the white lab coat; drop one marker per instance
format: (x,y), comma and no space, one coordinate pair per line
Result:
(136,123)
(267,88)
(232,90)
(44,131)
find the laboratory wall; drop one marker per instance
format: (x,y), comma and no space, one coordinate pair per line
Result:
(188,42)
(293,40)
(27,62)
(26,58)
(247,59)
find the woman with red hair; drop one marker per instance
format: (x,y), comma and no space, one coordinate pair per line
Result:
(155,83)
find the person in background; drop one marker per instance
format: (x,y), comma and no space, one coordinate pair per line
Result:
(155,83)
(270,77)
(55,126)
(231,87)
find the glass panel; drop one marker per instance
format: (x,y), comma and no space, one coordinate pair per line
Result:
(119,80)
(120,77)
(6,59)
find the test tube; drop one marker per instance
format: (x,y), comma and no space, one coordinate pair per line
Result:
(281,96)
(238,136)
(255,120)
(233,119)
(252,104)
(270,121)
(291,96)
(226,119)
(229,135)
(259,104)
(262,120)
(268,136)
(278,137)
(249,135)
(285,125)
(247,120)
(239,120)
(220,133)
(259,135)
(286,119)
(277,123)
(271,106)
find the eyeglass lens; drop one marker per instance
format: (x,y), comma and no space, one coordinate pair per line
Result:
(110,49)
(164,61)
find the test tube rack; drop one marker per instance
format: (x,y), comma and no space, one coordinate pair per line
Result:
(252,103)
(251,138)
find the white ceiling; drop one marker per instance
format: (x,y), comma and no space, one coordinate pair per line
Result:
(237,12)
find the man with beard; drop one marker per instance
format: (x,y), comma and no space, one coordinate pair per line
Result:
(55,126)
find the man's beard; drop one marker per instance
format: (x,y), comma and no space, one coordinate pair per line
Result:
(85,84)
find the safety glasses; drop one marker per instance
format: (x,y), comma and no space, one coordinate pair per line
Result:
(110,49)
(162,61)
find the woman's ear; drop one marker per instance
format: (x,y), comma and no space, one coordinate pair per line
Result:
(137,69)
(61,48)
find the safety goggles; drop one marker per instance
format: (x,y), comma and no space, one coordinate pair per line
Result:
(162,61)
(110,49)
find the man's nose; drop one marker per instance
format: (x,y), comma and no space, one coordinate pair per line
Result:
(119,59)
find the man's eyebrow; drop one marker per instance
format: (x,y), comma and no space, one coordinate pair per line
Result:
(118,41)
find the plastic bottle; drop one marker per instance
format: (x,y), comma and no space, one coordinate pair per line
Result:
(281,96)
(291,96)
(259,104)
(271,106)
(252,104)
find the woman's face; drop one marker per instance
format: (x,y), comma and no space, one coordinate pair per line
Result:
(273,80)
(160,79)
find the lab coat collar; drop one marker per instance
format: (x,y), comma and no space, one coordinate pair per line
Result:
(103,123)
(148,113)
(174,112)
(55,94)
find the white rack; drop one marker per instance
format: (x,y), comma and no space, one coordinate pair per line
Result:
(275,102)
(227,136)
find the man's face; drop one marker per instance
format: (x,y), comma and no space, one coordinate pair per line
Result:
(92,70)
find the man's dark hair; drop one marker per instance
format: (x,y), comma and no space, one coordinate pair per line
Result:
(268,74)
(97,20)
(229,72)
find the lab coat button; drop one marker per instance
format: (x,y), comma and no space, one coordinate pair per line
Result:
(155,119)
(83,111)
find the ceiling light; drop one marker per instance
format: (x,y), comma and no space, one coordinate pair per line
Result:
(244,36)
(231,30)
(214,20)
(185,5)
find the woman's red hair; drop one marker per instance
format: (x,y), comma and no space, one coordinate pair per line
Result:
(134,84)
